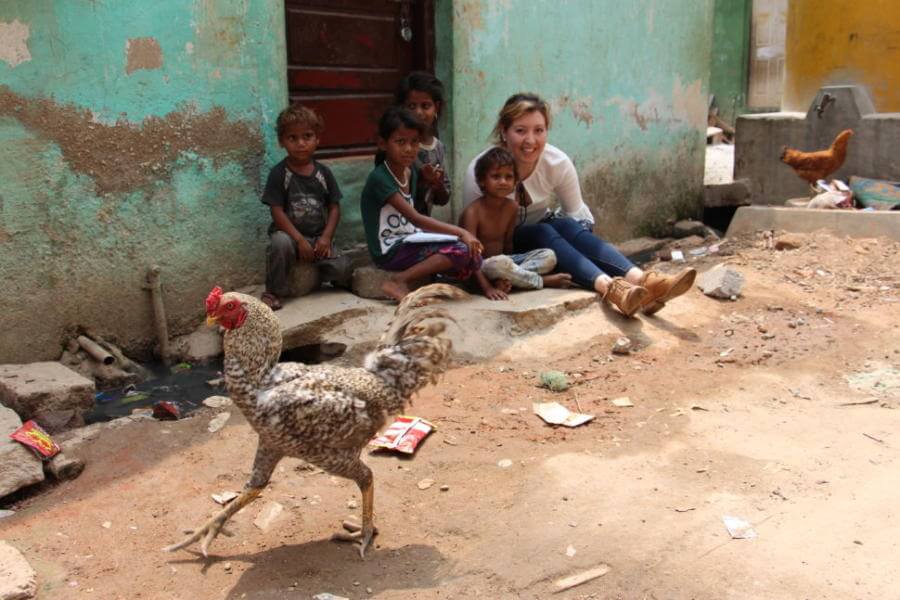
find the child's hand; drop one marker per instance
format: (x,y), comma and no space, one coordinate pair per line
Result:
(493,293)
(305,251)
(433,175)
(475,247)
(323,247)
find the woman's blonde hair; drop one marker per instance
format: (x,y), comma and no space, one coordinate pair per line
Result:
(515,107)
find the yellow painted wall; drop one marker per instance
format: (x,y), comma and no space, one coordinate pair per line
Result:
(842,42)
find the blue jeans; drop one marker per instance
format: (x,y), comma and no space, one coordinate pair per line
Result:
(578,251)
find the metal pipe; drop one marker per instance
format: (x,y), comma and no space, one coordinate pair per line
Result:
(159,312)
(96,351)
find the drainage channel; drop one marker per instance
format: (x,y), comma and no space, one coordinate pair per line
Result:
(186,385)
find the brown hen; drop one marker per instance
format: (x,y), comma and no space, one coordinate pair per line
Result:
(812,166)
(323,414)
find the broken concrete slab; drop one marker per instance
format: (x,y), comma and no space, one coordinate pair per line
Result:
(721,282)
(18,580)
(19,466)
(337,316)
(853,223)
(44,387)
(735,193)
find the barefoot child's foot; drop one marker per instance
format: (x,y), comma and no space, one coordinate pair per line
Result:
(557,280)
(394,289)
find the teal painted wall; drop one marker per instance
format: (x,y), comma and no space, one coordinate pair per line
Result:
(134,134)
(730,57)
(131,134)
(628,82)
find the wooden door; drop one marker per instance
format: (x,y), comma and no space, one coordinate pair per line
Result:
(345,58)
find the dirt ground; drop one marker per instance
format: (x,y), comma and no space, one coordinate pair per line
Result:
(739,409)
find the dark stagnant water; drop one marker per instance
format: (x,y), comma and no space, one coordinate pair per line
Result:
(186,385)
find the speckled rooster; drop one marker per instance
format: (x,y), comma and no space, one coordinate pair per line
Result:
(322,414)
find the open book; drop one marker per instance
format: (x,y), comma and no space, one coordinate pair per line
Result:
(426,237)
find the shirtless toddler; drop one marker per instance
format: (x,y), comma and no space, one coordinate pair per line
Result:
(492,219)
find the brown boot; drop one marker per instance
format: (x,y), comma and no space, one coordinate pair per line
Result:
(627,297)
(662,288)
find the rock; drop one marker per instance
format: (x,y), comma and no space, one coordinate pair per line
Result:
(19,466)
(425,484)
(201,345)
(57,421)
(683,229)
(721,282)
(268,515)
(367,282)
(691,241)
(445,488)
(6,513)
(622,346)
(218,422)
(44,387)
(328,596)
(64,467)
(505,463)
(788,242)
(642,247)
(217,401)
(18,580)
(224,498)
(303,279)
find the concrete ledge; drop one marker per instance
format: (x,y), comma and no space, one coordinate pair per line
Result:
(483,328)
(854,223)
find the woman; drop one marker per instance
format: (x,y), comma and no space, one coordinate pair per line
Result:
(547,174)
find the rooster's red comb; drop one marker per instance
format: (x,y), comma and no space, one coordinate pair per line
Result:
(212,301)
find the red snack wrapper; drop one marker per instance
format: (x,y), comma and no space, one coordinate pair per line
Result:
(403,435)
(33,435)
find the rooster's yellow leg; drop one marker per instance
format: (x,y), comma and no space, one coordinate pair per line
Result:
(263,465)
(211,528)
(362,536)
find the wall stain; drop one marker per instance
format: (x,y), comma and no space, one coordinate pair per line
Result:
(125,157)
(142,53)
(579,107)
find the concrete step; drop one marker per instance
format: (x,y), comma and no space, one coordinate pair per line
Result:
(853,223)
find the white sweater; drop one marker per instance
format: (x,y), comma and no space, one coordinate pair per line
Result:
(553,179)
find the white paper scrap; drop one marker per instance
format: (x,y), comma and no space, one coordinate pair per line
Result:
(739,529)
(557,414)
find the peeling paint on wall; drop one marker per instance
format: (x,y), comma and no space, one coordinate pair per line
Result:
(579,107)
(142,53)
(123,156)
(14,43)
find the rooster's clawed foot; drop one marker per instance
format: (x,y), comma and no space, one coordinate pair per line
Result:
(360,535)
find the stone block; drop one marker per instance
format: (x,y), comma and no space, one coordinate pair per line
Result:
(721,282)
(303,279)
(367,282)
(18,580)
(19,466)
(736,193)
(44,387)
